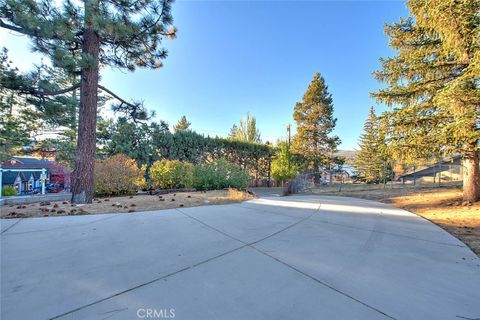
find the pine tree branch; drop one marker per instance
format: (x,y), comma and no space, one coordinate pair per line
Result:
(13,28)
(122,101)
(41,92)
(135,111)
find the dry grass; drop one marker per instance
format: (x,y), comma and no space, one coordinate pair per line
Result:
(442,206)
(125,204)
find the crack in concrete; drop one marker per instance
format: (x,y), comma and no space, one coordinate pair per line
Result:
(145,283)
(251,245)
(367,229)
(180,270)
(13,224)
(389,233)
(113,215)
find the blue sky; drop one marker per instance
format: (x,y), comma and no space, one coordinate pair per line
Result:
(234,57)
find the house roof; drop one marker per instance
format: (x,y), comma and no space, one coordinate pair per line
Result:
(26,163)
(9,177)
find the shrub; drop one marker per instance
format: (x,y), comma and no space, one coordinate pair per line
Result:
(117,175)
(171,174)
(283,165)
(238,195)
(9,191)
(219,175)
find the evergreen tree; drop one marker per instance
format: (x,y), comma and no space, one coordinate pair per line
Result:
(370,162)
(315,123)
(14,125)
(182,124)
(80,37)
(435,79)
(246,130)
(283,164)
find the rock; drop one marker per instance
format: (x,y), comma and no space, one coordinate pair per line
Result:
(466,203)
(125,207)
(65,202)
(99,201)
(53,210)
(181,204)
(189,196)
(131,197)
(106,200)
(131,210)
(60,211)
(161,199)
(133,205)
(73,211)
(44,203)
(172,199)
(174,194)
(55,205)
(113,204)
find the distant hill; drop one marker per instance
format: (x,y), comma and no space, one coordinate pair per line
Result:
(349,155)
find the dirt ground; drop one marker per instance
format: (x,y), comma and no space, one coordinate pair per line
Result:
(124,204)
(442,206)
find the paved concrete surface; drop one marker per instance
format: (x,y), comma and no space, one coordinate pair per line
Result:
(299,257)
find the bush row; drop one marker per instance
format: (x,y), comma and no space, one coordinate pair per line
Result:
(119,175)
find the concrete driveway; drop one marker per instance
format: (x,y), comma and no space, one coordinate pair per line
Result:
(299,257)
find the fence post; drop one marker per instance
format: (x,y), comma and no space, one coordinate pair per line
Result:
(43,177)
(414,176)
(384,175)
(440,175)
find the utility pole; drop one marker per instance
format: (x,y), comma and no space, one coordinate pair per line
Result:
(289,134)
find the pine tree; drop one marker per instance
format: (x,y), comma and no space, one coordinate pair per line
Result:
(435,79)
(315,123)
(369,163)
(182,124)
(246,130)
(81,37)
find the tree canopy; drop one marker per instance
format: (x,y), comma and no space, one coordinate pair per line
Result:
(182,124)
(370,162)
(246,130)
(315,123)
(432,84)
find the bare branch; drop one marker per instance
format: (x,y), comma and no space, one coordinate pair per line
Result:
(117,97)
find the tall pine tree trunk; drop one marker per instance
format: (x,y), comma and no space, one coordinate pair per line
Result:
(82,191)
(471,175)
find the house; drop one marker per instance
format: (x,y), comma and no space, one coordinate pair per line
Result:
(448,170)
(26,177)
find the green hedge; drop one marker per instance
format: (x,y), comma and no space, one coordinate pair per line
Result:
(219,175)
